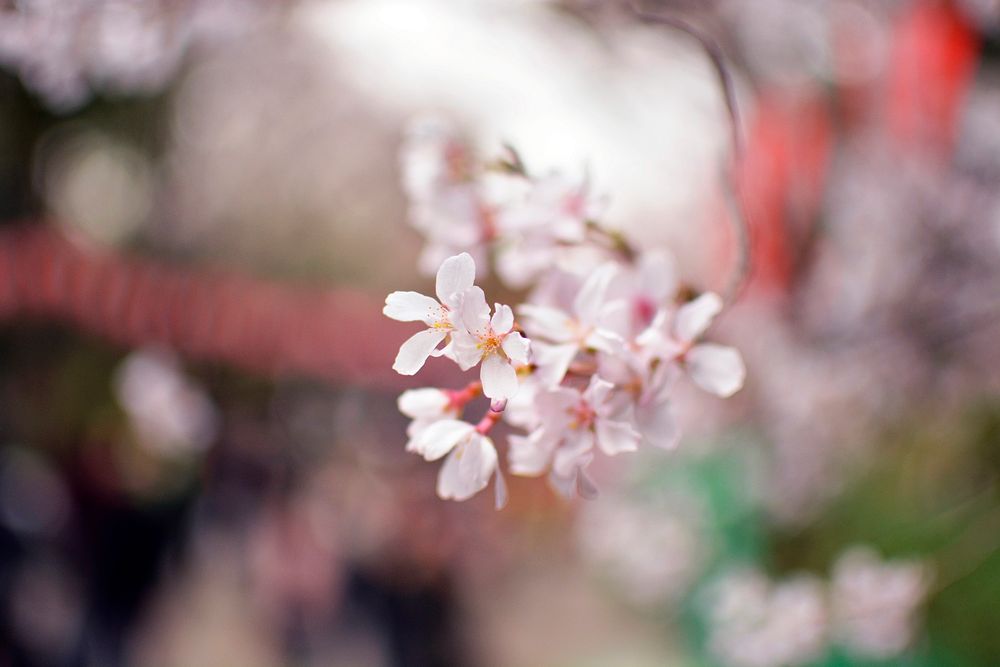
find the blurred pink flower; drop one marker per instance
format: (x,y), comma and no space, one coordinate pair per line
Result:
(875,602)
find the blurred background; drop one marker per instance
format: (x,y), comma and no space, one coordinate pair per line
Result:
(201,460)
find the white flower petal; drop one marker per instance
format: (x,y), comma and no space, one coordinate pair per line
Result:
(516,347)
(693,318)
(503,319)
(411,307)
(498,377)
(552,362)
(590,299)
(617,368)
(414,429)
(468,469)
(575,484)
(441,437)
(659,330)
(585,488)
(547,323)
(521,410)
(564,486)
(597,391)
(482,463)
(615,437)
(499,491)
(423,403)
(450,484)
(574,453)
(654,344)
(518,264)
(616,317)
(657,425)
(716,368)
(456,275)
(445,351)
(465,350)
(475,312)
(529,455)
(555,407)
(603,340)
(414,352)
(657,275)
(660,382)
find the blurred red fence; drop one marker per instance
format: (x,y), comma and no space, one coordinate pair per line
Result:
(336,334)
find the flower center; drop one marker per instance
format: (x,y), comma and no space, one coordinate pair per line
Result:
(645,311)
(582,415)
(489,343)
(442,321)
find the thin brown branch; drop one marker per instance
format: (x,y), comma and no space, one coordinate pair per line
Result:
(740,217)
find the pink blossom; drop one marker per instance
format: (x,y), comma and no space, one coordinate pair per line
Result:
(454,278)
(671,337)
(492,342)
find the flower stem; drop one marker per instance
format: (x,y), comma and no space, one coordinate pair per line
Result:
(457,398)
(488,421)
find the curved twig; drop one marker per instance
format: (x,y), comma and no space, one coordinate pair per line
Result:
(740,217)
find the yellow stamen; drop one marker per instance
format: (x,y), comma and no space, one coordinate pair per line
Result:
(489,343)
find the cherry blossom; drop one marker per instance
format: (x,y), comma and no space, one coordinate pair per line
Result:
(492,342)
(651,284)
(875,603)
(471,462)
(454,278)
(468,470)
(539,226)
(571,423)
(608,337)
(425,407)
(654,415)
(868,606)
(651,549)
(446,204)
(555,207)
(593,323)
(715,368)
(759,623)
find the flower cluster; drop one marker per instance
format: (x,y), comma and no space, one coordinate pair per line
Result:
(587,367)
(868,608)
(651,550)
(754,622)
